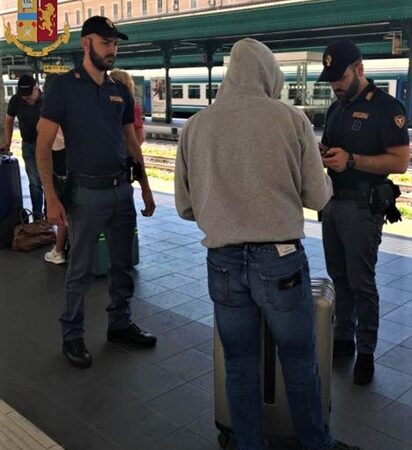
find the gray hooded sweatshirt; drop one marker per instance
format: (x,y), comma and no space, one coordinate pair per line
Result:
(247,164)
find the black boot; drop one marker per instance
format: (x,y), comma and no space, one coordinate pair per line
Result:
(364,369)
(343,348)
(76,353)
(132,335)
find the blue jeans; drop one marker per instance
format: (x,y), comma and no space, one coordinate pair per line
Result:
(35,186)
(247,282)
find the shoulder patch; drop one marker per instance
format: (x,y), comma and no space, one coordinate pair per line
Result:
(360,115)
(400,121)
(369,95)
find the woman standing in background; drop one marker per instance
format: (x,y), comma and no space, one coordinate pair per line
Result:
(125,78)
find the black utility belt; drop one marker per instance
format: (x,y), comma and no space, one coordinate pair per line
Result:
(378,197)
(345,194)
(98,182)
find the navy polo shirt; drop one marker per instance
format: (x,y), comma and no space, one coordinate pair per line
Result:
(367,125)
(92,118)
(28,116)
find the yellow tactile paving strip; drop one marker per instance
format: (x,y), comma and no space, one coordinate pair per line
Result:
(17,433)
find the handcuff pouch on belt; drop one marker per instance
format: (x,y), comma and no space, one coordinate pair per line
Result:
(63,185)
(383,200)
(135,170)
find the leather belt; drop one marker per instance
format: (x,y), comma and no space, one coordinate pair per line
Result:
(344,194)
(97,182)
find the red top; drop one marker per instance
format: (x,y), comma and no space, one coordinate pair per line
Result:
(138,122)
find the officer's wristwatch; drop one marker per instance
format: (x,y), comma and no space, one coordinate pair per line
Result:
(350,163)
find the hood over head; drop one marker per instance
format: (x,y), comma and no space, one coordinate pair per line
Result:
(253,70)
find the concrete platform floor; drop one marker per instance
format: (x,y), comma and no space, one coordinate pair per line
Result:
(162,398)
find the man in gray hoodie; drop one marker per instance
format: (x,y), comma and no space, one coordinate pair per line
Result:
(245,168)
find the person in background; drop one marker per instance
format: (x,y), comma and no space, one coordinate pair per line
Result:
(96,115)
(125,78)
(246,188)
(25,105)
(57,254)
(365,139)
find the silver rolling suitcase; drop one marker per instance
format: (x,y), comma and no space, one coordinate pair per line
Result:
(278,422)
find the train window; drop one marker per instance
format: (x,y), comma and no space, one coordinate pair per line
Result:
(321,91)
(384,85)
(194,91)
(177,91)
(292,91)
(215,88)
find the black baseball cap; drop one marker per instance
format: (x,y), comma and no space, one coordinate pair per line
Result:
(336,58)
(25,85)
(102,26)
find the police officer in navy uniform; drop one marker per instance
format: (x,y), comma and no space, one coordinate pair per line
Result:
(367,139)
(96,115)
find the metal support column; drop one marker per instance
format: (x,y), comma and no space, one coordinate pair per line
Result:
(209,50)
(167,57)
(36,67)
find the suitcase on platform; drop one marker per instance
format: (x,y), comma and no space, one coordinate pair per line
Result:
(102,259)
(11,198)
(277,419)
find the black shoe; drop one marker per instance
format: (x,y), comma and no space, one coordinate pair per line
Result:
(343,348)
(364,369)
(76,353)
(339,445)
(132,335)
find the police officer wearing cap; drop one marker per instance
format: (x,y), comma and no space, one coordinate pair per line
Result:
(25,105)
(96,115)
(365,139)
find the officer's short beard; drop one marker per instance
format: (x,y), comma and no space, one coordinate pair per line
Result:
(100,63)
(352,90)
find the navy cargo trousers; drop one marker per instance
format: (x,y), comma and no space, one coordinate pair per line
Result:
(351,238)
(91,212)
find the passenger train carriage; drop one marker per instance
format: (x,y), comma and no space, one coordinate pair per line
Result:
(189,87)
(190,91)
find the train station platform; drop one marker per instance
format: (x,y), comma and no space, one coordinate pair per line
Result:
(162,398)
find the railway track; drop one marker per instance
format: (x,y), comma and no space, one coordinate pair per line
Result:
(159,162)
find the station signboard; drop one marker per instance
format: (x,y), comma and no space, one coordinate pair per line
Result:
(55,68)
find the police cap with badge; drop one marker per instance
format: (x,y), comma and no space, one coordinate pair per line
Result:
(336,59)
(103,27)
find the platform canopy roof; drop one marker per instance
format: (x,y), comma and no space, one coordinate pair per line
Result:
(284,26)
